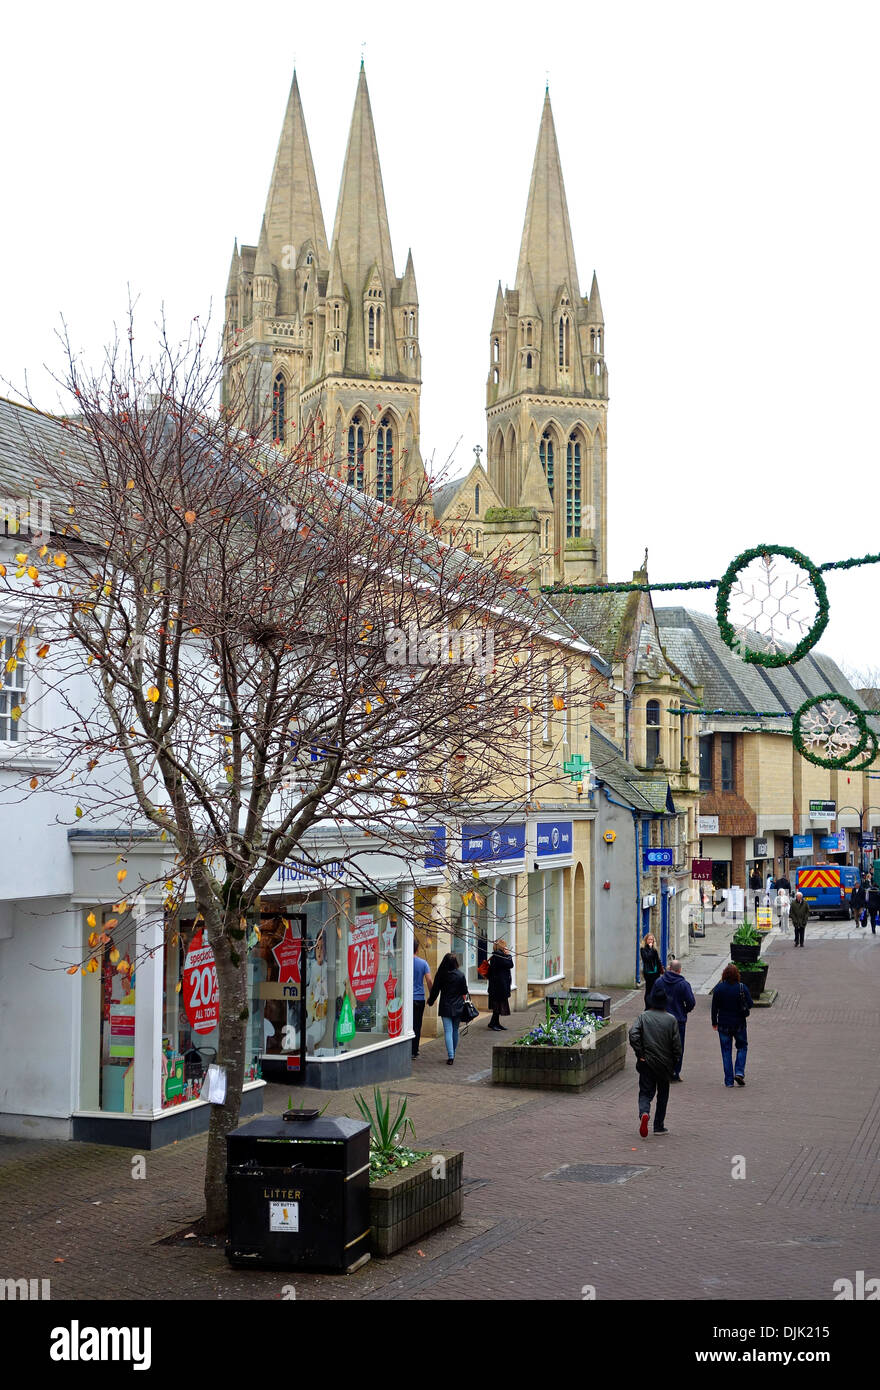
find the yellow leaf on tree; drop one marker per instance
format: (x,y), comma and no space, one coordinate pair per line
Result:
(15,713)
(123,873)
(111,923)
(93,938)
(34,783)
(383,907)
(79,811)
(20,649)
(189,518)
(153,694)
(91,920)
(73,969)
(60,560)
(558,702)
(114,955)
(93,967)
(33,572)
(130,484)
(44,650)
(11,664)
(177,987)
(3,576)
(21,559)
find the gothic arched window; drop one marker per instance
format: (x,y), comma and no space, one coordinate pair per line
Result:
(477,500)
(384,460)
(573,487)
(356,454)
(564,341)
(279,394)
(545,453)
(336,323)
(528,360)
(371,328)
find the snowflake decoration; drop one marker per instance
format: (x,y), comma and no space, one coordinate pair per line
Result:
(831,729)
(770,600)
(781,605)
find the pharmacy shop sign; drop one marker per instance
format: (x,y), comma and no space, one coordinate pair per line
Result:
(201,992)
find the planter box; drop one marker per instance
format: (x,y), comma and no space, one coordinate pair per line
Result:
(561,1068)
(755,980)
(407,1205)
(742,955)
(590,1002)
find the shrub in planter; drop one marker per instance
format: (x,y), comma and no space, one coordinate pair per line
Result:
(745,944)
(412,1191)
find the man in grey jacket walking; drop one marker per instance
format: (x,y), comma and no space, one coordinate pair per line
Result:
(655,1039)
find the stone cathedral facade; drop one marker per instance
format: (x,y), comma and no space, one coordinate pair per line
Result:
(318,334)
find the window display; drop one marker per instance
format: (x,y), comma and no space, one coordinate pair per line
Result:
(108,1014)
(191,1011)
(487,915)
(545,917)
(352,976)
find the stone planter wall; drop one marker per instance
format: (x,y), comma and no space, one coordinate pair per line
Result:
(561,1068)
(409,1204)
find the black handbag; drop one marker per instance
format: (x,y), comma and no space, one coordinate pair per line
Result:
(469,1011)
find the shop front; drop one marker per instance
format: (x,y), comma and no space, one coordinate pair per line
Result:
(486,912)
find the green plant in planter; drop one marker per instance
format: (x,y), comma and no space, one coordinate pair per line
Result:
(746,935)
(387,1152)
(753,968)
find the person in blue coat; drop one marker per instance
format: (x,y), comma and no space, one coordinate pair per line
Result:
(731,1005)
(679,1002)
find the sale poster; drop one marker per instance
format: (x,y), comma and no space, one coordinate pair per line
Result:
(201,992)
(287,954)
(363,955)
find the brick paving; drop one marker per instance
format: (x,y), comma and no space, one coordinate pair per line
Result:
(806,1129)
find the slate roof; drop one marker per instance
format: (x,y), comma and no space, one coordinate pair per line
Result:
(692,641)
(643,793)
(25,435)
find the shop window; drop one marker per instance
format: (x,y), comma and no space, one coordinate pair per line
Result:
(190,1012)
(545,926)
(12,695)
(108,1016)
(486,918)
(353,965)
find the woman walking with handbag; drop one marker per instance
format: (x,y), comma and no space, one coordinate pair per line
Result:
(500,971)
(731,1004)
(451,987)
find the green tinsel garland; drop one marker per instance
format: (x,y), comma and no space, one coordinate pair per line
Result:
(847,703)
(869,757)
(722,607)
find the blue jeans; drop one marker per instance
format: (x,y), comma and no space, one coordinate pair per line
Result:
(742,1046)
(450,1033)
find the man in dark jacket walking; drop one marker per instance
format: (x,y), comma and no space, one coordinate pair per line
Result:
(857,901)
(874,907)
(655,1039)
(679,1002)
(799,912)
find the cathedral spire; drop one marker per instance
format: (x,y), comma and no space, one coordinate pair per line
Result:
(293,209)
(595,313)
(361,226)
(547,246)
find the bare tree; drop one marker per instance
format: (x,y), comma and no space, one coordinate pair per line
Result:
(246,648)
(866,682)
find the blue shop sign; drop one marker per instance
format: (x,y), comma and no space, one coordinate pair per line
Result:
(554,837)
(436,855)
(801,844)
(492,842)
(657,858)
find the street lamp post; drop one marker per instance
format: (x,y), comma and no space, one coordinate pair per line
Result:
(860,812)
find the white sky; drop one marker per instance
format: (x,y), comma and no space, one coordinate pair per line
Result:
(720,163)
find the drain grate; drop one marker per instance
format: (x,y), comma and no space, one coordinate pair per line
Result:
(596,1172)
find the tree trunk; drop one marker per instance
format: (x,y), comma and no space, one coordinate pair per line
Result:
(234,1006)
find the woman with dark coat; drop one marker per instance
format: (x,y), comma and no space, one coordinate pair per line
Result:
(652,966)
(451,986)
(500,971)
(731,1003)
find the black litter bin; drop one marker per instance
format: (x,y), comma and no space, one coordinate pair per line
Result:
(299,1193)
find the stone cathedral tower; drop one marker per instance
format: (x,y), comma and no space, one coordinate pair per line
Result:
(547,391)
(321,343)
